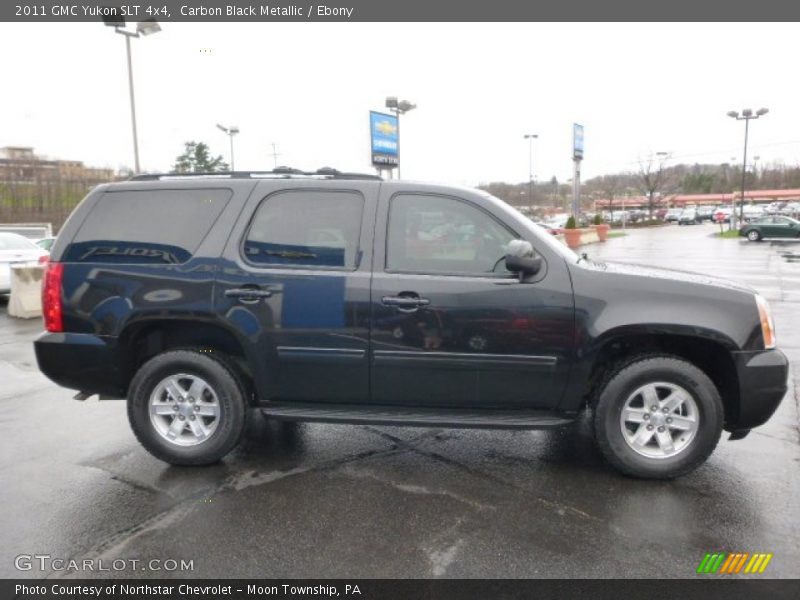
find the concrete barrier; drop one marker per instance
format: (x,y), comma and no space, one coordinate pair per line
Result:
(26,291)
(589,236)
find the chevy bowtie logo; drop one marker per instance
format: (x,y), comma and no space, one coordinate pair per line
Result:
(724,563)
(386,128)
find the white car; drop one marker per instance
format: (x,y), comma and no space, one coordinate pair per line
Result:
(752,211)
(16,249)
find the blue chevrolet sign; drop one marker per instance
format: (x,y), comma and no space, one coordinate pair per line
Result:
(384,139)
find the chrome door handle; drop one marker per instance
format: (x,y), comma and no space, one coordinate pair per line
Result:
(248,295)
(405,303)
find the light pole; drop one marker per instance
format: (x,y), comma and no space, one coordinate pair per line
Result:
(530,137)
(746,116)
(230,132)
(400,107)
(143,28)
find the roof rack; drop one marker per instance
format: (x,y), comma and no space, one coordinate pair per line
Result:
(276,173)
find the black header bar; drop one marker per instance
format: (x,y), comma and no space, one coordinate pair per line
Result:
(399,10)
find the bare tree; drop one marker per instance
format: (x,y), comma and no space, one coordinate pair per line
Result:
(610,186)
(653,179)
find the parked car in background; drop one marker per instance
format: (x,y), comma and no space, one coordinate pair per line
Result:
(661,213)
(752,211)
(773,226)
(673,214)
(46,243)
(620,216)
(705,213)
(688,217)
(723,214)
(774,208)
(558,221)
(16,249)
(791,209)
(547,228)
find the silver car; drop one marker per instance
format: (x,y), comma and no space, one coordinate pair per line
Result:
(16,249)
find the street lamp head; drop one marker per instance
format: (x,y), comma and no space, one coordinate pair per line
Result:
(148,27)
(762,111)
(233,130)
(391,101)
(531,135)
(733,114)
(405,106)
(747,112)
(222,128)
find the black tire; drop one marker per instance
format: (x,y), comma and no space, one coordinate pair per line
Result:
(754,235)
(623,383)
(230,394)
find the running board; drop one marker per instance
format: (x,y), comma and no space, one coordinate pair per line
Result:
(414,417)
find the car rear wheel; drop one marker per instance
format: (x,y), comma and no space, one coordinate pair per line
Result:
(658,418)
(754,235)
(187,407)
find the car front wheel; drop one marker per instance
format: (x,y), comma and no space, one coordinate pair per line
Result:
(658,417)
(754,235)
(187,407)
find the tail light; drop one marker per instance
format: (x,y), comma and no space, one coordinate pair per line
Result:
(44,259)
(51,297)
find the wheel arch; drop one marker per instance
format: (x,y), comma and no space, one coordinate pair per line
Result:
(146,339)
(712,355)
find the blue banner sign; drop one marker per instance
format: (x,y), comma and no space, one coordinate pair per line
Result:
(384,139)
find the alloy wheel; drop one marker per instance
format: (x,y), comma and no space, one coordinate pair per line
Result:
(659,420)
(184,409)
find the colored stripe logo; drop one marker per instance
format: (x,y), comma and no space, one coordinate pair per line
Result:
(730,563)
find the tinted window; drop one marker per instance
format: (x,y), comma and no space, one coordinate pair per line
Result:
(306,228)
(432,234)
(154,226)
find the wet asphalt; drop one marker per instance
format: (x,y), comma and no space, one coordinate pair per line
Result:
(299,500)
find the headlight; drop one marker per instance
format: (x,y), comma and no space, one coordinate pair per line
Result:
(767,325)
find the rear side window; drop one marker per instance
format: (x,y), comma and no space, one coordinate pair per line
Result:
(306,228)
(149,227)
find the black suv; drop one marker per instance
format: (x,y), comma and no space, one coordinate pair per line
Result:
(343,298)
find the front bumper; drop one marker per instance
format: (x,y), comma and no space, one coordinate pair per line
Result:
(82,361)
(762,377)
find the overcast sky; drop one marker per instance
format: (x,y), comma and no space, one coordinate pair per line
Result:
(308,87)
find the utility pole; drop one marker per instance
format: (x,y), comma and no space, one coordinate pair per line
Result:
(230,132)
(275,156)
(530,137)
(143,28)
(577,157)
(746,116)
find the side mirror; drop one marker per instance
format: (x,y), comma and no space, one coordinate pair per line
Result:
(521,259)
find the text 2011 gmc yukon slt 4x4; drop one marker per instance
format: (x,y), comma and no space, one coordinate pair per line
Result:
(343,298)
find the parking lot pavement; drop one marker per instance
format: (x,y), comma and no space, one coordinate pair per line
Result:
(362,501)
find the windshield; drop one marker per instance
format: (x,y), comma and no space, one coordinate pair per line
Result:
(543,237)
(12,241)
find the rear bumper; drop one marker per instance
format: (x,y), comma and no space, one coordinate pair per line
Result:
(81,361)
(762,385)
